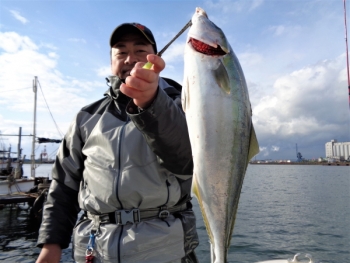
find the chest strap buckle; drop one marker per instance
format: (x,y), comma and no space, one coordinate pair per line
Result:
(122,217)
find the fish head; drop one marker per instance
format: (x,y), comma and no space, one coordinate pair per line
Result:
(205,37)
(207,45)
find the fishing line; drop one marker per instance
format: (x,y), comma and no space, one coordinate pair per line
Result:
(148,65)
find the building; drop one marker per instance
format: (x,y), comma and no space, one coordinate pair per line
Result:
(337,150)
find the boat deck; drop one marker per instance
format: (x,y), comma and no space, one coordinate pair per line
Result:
(17,198)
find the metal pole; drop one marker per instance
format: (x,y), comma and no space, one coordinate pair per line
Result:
(34,129)
(347,55)
(19,145)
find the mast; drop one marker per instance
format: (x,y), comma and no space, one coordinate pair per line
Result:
(19,144)
(34,129)
(347,55)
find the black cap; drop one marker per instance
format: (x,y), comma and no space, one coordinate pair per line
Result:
(122,29)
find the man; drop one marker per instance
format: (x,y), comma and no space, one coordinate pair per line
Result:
(126,162)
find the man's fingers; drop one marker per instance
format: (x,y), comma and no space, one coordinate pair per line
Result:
(151,74)
(158,62)
(147,75)
(142,84)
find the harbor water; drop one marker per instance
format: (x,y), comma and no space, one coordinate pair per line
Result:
(283,210)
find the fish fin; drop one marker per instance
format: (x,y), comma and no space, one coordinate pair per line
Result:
(253,145)
(222,78)
(195,188)
(195,191)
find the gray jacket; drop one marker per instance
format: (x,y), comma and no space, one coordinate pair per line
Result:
(115,157)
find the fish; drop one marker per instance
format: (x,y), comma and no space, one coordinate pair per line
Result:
(218,113)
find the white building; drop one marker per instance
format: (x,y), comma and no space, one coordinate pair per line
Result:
(337,150)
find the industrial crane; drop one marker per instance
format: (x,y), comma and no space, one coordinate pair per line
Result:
(299,156)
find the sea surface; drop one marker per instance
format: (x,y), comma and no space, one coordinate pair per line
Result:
(283,210)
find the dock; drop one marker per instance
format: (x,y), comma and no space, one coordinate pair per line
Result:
(337,164)
(18,198)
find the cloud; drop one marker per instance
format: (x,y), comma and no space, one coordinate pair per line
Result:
(12,42)
(249,59)
(103,71)
(17,16)
(174,53)
(227,6)
(275,148)
(49,46)
(279,30)
(77,40)
(256,4)
(20,60)
(307,103)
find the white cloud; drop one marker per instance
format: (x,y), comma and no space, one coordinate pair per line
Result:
(275,148)
(174,53)
(77,40)
(52,55)
(17,16)
(279,30)
(263,151)
(249,59)
(307,103)
(49,46)
(12,42)
(226,6)
(20,61)
(103,71)
(256,4)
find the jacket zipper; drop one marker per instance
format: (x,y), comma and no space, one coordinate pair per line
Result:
(117,188)
(119,160)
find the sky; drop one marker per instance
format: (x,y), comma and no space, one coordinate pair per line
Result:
(293,54)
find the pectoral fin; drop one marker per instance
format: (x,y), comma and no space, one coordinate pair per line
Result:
(222,78)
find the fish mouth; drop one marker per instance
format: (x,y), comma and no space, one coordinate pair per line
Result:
(206,49)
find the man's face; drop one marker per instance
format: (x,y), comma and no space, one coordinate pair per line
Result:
(130,49)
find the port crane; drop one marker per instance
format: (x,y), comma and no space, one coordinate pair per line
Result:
(299,156)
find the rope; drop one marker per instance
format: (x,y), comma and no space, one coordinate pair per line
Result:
(59,131)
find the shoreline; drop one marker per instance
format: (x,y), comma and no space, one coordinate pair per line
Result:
(285,163)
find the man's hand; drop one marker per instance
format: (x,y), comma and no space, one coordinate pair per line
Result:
(50,253)
(142,83)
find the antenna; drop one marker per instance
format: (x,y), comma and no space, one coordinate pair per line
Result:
(347,55)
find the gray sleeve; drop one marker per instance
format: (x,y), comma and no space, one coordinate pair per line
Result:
(61,208)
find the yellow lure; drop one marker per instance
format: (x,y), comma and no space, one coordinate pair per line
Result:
(148,65)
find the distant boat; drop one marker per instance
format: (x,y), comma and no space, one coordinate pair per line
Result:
(6,161)
(12,179)
(10,185)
